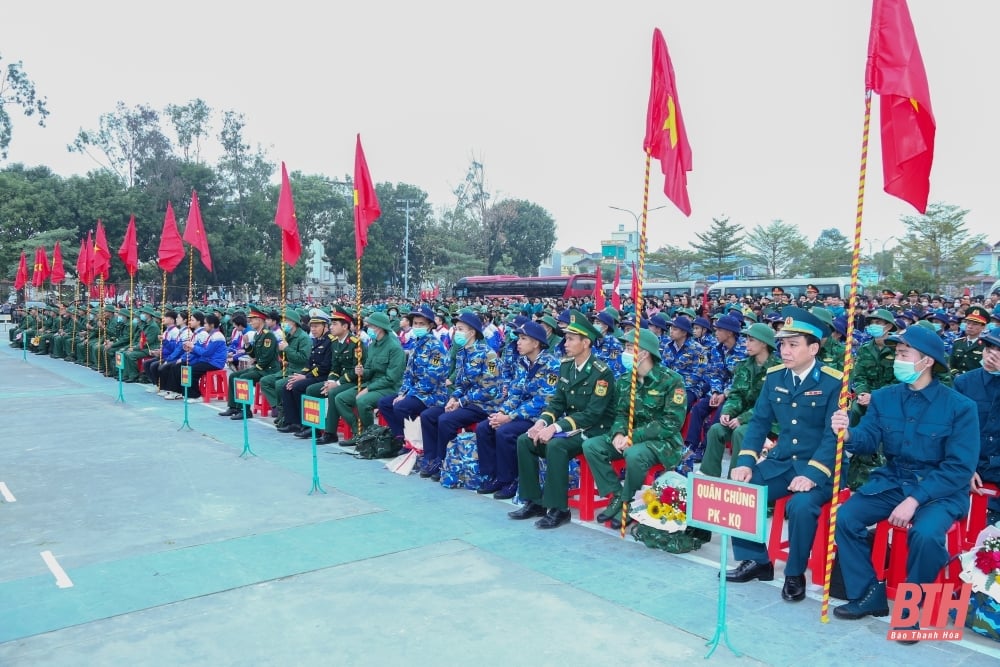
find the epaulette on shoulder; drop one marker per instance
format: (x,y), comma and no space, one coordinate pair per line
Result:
(832,372)
(600,365)
(353,340)
(774,369)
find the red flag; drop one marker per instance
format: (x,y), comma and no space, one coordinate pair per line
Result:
(100,258)
(616,297)
(284,217)
(704,302)
(666,140)
(896,72)
(599,291)
(635,286)
(41,270)
(129,252)
(84,272)
(22,272)
(171,251)
(58,270)
(194,232)
(366,208)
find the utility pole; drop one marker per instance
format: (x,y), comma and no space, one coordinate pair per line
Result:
(406,248)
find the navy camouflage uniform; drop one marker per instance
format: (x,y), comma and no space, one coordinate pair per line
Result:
(690,362)
(423,384)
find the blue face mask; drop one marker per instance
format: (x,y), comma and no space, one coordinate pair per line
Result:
(993,326)
(120,318)
(142,317)
(419,332)
(460,339)
(961,327)
(287,328)
(904,371)
(937,326)
(371,333)
(875,330)
(135,320)
(628,360)
(226,318)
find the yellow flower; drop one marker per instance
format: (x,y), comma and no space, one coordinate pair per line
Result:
(654,509)
(649,496)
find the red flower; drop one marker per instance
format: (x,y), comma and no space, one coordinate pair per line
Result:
(682,506)
(987,561)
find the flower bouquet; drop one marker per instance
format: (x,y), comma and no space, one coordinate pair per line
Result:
(660,511)
(981,568)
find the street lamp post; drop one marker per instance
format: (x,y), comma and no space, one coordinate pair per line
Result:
(406,250)
(636,216)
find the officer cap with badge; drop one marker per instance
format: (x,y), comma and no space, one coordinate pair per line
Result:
(799,321)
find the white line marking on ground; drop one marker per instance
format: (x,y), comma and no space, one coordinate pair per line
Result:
(62,579)
(7,495)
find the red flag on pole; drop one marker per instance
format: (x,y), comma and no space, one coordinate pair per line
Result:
(22,272)
(635,286)
(616,297)
(84,271)
(41,270)
(666,140)
(194,232)
(896,72)
(366,207)
(171,250)
(129,252)
(58,270)
(284,217)
(100,257)
(599,291)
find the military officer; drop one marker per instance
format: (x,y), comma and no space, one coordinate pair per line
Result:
(967,352)
(381,375)
(801,397)
(738,408)
(146,343)
(982,385)
(62,338)
(264,352)
(812,297)
(294,347)
(423,380)
(316,369)
(344,348)
(930,436)
(660,408)
(583,406)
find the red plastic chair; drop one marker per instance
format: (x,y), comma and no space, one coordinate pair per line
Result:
(977,514)
(894,573)
(777,548)
(260,404)
(214,385)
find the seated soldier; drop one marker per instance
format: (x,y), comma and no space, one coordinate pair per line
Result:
(660,408)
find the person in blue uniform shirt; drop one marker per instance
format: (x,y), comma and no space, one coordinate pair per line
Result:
(801,396)
(982,385)
(607,347)
(930,436)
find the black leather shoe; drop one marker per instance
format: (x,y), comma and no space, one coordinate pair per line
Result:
(700,534)
(749,570)
(508,491)
(489,486)
(289,428)
(303,433)
(229,412)
(553,519)
(327,439)
(614,509)
(615,522)
(238,416)
(872,603)
(529,510)
(794,589)
(350,442)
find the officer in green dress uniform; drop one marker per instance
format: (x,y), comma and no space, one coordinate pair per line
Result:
(343,358)
(967,352)
(582,407)
(660,409)
(145,342)
(295,347)
(264,352)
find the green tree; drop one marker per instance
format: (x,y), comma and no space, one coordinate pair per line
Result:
(124,140)
(530,235)
(17,90)
(831,255)
(191,122)
(673,263)
(938,244)
(779,248)
(720,247)
(32,201)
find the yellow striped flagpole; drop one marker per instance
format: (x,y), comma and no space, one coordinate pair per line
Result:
(357,318)
(848,359)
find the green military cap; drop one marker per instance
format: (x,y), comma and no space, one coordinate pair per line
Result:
(977,314)
(761,332)
(256,311)
(686,311)
(822,313)
(881,314)
(925,324)
(71,309)
(749,316)
(648,341)
(551,321)
(110,309)
(613,312)
(343,314)
(293,315)
(380,320)
(579,324)
(147,310)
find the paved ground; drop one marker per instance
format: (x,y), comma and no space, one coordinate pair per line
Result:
(180,552)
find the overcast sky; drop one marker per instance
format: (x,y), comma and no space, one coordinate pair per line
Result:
(550,96)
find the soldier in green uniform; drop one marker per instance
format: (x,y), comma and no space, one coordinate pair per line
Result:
(582,407)
(118,338)
(64,331)
(43,335)
(21,335)
(742,394)
(660,409)
(552,329)
(103,324)
(145,343)
(381,374)
(294,346)
(265,357)
(967,352)
(831,351)
(343,358)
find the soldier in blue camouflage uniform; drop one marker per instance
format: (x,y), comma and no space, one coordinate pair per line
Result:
(607,347)
(474,393)
(537,374)
(509,356)
(659,324)
(684,355)
(423,380)
(722,360)
(940,323)
(703,332)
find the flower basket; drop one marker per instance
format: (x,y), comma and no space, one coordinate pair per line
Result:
(981,568)
(660,512)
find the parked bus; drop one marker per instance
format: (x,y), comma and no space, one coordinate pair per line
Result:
(578,285)
(693,288)
(794,287)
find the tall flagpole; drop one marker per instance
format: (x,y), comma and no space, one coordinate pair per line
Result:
(848,359)
(357,318)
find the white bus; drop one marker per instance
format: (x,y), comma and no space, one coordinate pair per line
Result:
(655,288)
(794,287)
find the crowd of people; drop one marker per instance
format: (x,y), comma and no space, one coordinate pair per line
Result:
(551,379)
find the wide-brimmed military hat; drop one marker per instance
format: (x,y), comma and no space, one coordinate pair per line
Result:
(924,340)
(534,330)
(606,319)
(421,311)
(881,314)
(551,321)
(659,320)
(799,321)
(703,323)
(472,320)
(728,323)
(648,341)
(380,320)
(683,323)
(761,332)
